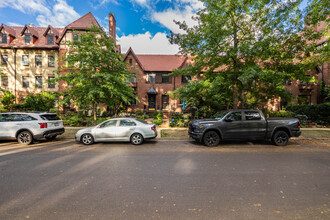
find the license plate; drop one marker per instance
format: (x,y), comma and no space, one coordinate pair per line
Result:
(56,124)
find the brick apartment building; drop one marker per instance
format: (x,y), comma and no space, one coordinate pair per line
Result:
(30,55)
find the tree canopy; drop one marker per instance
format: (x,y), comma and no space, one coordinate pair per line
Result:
(94,73)
(245,50)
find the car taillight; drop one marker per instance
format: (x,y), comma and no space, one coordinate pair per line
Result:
(43,125)
(298,124)
(153,128)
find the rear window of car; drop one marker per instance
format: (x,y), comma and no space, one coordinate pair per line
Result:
(50,117)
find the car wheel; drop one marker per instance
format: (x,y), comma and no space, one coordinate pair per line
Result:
(87,139)
(25,137)
(136,139)
(211,138)
(51,138)
(280,138)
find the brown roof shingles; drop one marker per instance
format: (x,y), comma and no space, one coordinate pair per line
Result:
(166,63)
(9,30)
(41,42)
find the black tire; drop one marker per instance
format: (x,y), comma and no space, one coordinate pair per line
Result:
(87,139)
(136,139)
(52,138)
(25,137)
(211,138)
(280,138)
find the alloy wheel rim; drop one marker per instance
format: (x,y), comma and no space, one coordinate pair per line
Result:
(211,139)
(87,139)
(281,139)
(24,138)
(136,139)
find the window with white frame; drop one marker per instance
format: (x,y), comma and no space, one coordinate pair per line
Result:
(151,78)
(25,60)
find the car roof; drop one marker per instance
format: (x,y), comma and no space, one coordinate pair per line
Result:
(36,113)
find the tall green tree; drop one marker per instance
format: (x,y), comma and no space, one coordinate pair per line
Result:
(94,72)
(252,47)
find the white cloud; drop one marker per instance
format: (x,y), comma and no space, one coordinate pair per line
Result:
(147,44)
(166,18)
(58,15)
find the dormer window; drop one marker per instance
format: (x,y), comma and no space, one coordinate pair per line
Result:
(50,39)
(27,38)
(4,38)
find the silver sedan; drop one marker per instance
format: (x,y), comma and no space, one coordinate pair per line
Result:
(118,129)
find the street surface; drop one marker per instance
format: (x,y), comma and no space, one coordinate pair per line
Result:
(165,179)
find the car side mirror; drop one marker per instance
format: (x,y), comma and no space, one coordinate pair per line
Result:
(228,119)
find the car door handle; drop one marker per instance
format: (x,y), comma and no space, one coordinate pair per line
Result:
(131,129)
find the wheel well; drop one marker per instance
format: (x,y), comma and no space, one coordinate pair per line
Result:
(19,131)
(85,134)
(282,129)
(217,131)
(136,133)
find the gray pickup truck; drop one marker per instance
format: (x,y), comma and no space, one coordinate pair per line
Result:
(244,125)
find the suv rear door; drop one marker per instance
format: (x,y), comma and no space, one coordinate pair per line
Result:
(52,120)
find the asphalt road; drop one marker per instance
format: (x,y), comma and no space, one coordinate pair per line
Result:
(165,180)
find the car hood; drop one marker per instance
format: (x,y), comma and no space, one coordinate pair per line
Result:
(204,121)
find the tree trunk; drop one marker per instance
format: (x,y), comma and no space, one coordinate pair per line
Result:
(235,95)
(95,113)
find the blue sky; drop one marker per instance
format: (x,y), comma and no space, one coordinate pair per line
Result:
(141,24)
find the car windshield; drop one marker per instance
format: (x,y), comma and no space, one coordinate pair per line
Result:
(221,115)
(50,117)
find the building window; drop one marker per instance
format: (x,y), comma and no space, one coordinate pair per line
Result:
(51,84)
(27,38)
(130,61)
(51,61)
(151,78)
(38,81)
(165,102)
(185,78)
(4,81)
(26,81)
(165,78)
(4,38)
(75,37)
(131,79)
(4,60)
(50,39)
(25,60)
(38,60)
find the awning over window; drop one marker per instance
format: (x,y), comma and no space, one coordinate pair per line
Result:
(152,91)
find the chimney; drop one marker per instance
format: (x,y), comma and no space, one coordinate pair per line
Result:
(112,26)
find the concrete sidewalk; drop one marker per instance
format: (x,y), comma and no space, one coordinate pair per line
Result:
(182,133)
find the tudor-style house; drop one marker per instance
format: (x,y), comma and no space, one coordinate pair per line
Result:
(152,82)
(30,55)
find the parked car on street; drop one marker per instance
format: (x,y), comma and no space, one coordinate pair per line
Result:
(118,129)
(26,127)
(244,125)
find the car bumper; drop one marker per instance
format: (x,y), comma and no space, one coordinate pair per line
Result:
(296,133)
(151,136)
(50,133)
(195,135)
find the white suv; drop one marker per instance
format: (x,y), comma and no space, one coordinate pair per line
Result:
(26,127)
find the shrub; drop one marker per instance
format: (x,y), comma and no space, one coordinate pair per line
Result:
(7,100)
(282,113)
(55,110)
(75,121)
(316,113)
(39,102)
(157,118)
(69,114)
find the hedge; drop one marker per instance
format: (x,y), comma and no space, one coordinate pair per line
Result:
(317,113)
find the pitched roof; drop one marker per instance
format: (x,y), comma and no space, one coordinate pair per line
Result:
(41,42)
(85,21)
(9,30)
(161,62)
(56,33)
(31,29)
